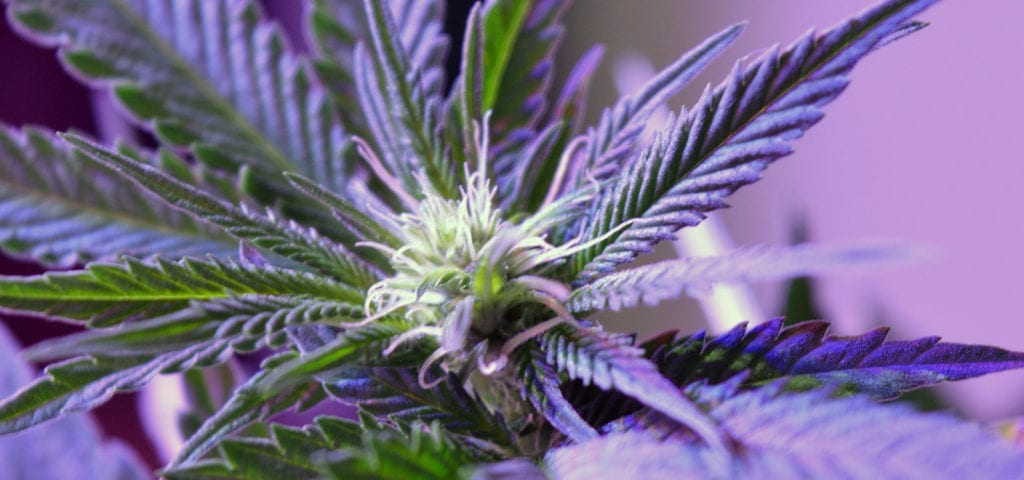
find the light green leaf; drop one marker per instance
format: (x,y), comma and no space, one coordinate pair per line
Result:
(288,240)
(105,294)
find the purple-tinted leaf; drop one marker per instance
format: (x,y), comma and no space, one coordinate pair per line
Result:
(515,469)
(806,356)
(395,392)
(541,387)
(729,138)
(608,362)
(572,100)
(71,447)
(406,101)
(805,435)
(337,26)
(612,140)
(520,41)
(665,280)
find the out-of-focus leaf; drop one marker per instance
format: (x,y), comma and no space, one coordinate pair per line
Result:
(71,447)
(805,435)
(60,209)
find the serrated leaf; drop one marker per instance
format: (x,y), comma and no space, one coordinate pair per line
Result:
(288,240)
(106,294)
(83,383)
(612,140)
(729,138)
(60,209)
(805,356)
(357,344)
(395,392)
(251,321)
(70,447)
(337,26)
(570,104)
(669,279)
(213,74)
(249,403)
(806,435)
(595,358)
(363,225)
(404,114)
(422,453)
(261,459)
(541,387)
(520,42)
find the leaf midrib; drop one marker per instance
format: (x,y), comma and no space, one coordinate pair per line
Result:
(118,216)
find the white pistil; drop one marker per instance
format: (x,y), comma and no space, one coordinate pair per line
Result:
(421,331)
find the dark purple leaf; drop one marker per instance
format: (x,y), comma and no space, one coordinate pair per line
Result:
(806,356)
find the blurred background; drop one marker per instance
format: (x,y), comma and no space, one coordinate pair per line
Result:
(920,147)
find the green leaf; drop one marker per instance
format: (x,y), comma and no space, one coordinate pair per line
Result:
(288,240)
(84,383)
(249,320)
(395,393)
(249,403)
(106,294)
(358,344)
(354,219)
(422,453)
(337,26)
(407,113)
(520,42)
(61,209)
(212,74)
(71,447)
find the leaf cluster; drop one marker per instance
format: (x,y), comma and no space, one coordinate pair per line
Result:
(434,250)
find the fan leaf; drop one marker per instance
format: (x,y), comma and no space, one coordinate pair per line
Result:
(729,138)
(212,75)
(666,280)
(806,435)
(338,26)
(596,358)
(805,356)
(105,294)
(61,209)
(288,240)
(395,393)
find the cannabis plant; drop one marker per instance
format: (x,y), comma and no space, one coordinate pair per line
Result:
(435,251)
